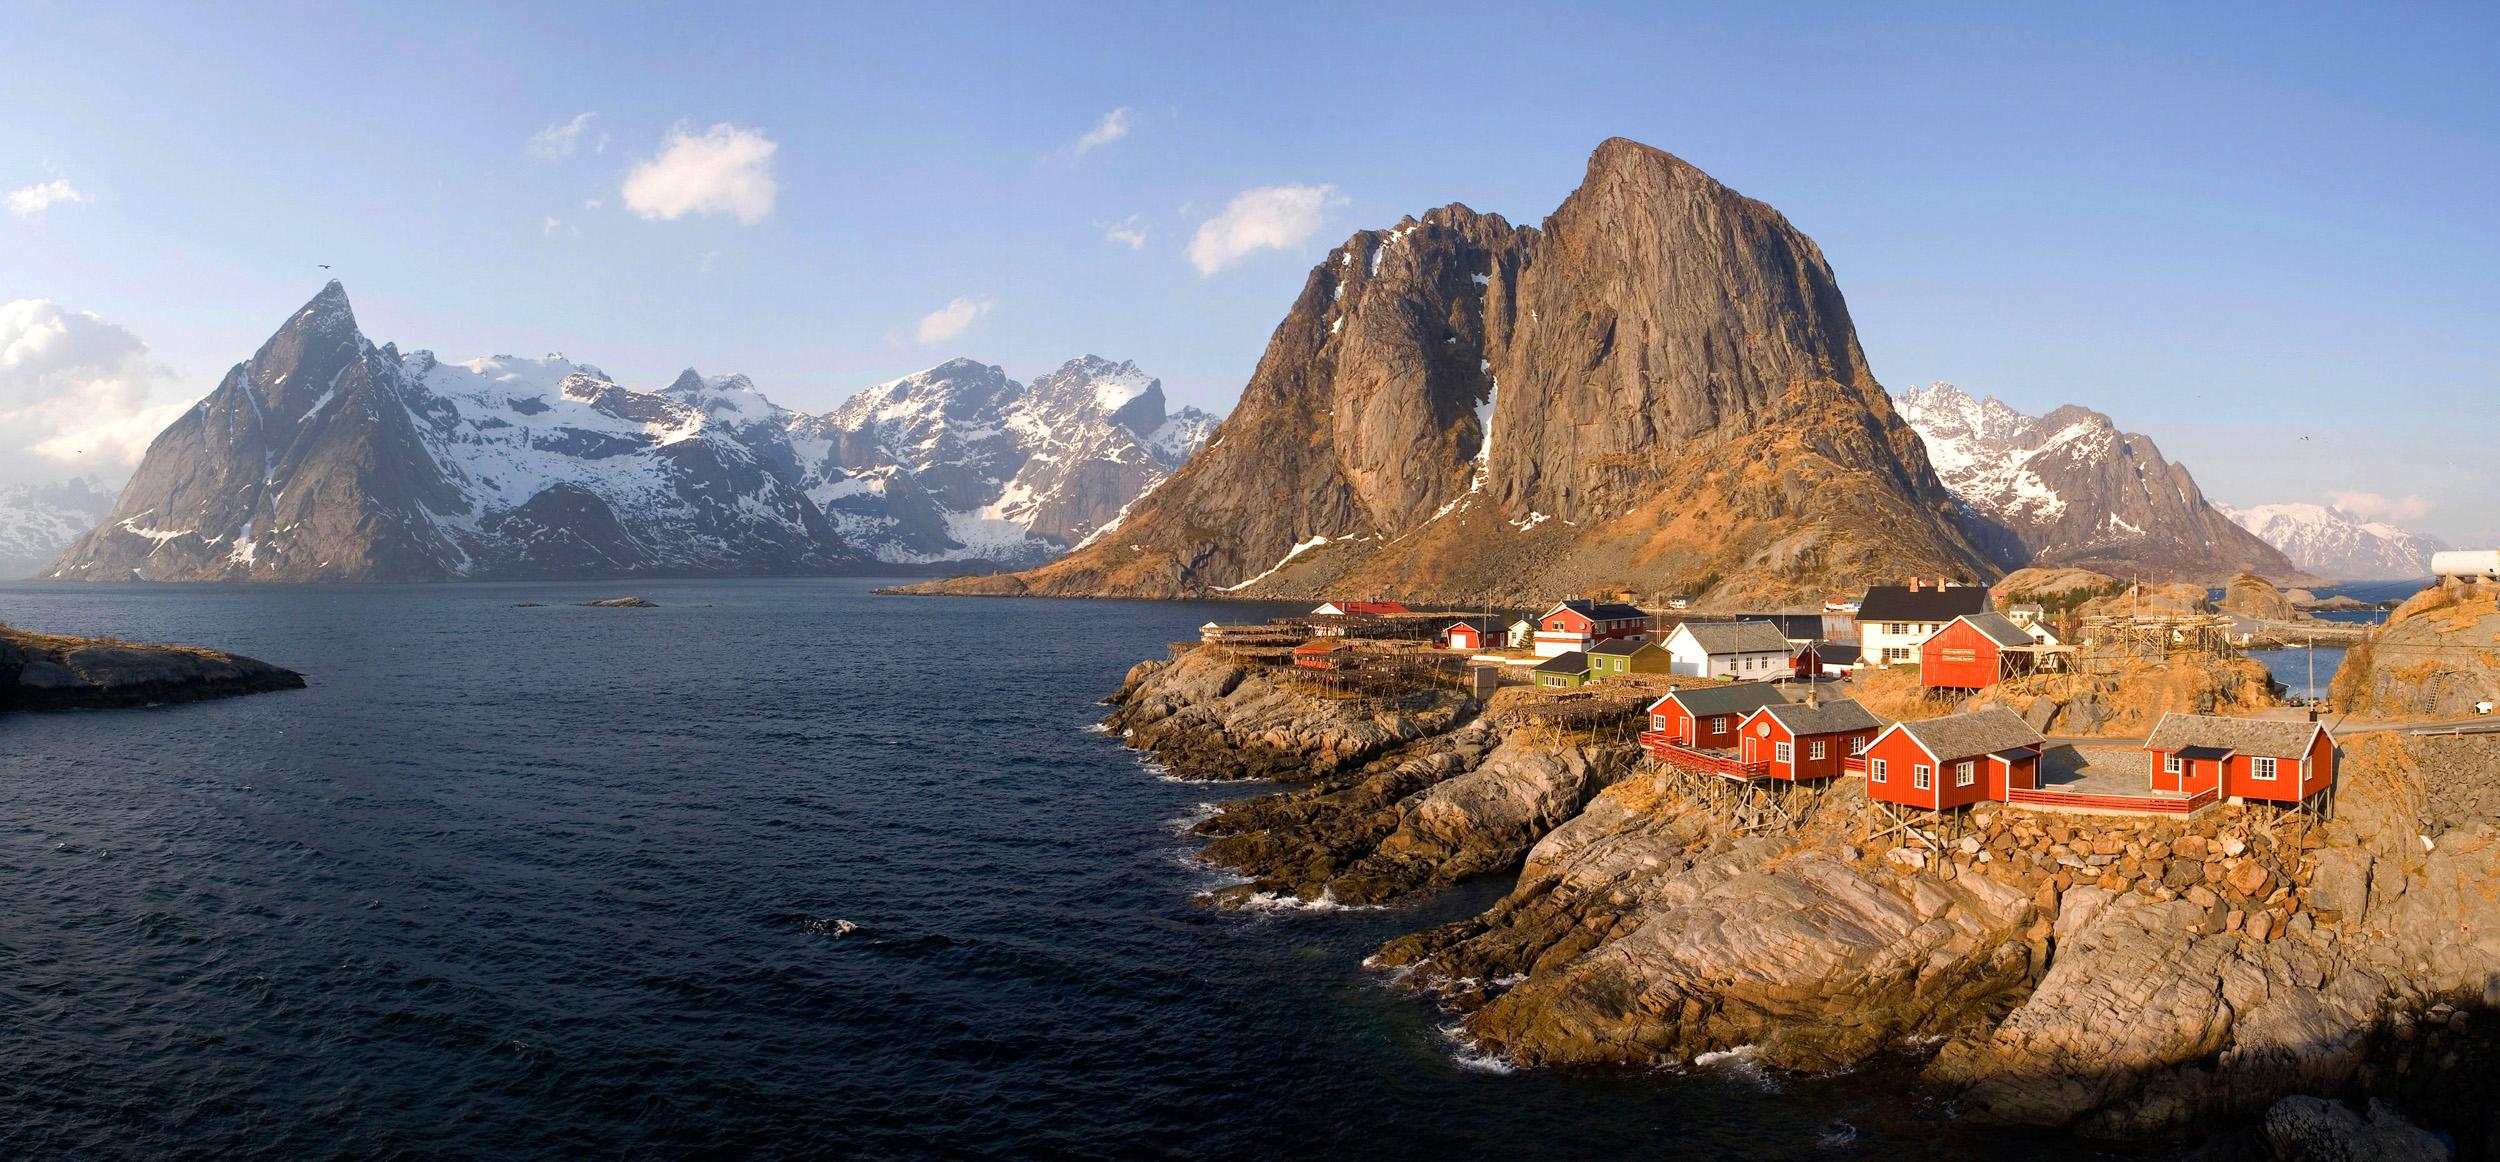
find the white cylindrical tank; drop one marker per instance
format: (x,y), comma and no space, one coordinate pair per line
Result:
(2480,563)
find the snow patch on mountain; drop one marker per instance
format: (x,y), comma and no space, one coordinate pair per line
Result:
(2332,543)
(37,521)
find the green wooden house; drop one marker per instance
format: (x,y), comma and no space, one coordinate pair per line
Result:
(1618,656)
(1563,671)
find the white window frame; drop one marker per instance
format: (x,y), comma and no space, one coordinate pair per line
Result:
(1783,753)
(1965,772)
(1875,772)
(1718,724)
(1814,750)
(2262,768)
(1922,777)
(2172,764)
(1657,722)
(1858,745)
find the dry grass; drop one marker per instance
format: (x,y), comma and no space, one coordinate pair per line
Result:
(56,645)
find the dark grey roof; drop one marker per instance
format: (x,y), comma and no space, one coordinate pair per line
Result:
(1736,698)
(2025,607)
(1796,627)
(1482,624)
(1616,645)
(1897,603)
(1837,654)
(1972,733)
(1606,610)
(2273,737)
(1737,637)
(2206,752)
(1998,628)
(1824,717)
(1574,662)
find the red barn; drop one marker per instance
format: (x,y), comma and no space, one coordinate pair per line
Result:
(1797,740)
(2242,758)
(1938,764)
(1476,633)
(1975,651)
(1709,717)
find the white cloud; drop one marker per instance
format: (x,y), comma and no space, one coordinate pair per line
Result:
(1267,218)
(1113,126)
(2372,506)
(727,170)
(592,204)
(951,320)
(559,140)
(1127,232)
(76,392)
(28,201)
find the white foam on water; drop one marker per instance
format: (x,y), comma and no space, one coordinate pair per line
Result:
(1468,1055)
(1279,902)
(1743,1063)
(1180,825)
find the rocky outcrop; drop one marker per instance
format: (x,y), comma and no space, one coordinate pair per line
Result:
(2069,487)
(2439,654)
(2250,595)
(49,672)
(1206,715)
(1658,390)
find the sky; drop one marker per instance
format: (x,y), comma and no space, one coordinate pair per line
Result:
(2263,235)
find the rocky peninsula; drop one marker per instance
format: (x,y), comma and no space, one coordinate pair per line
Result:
(50,672)
(2119,977)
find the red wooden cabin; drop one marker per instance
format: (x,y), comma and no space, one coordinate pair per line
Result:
(1799,741)
(1476,633)
(1975,651)
(1577,625)
(1709,717)
(1939,764)
(2243,758)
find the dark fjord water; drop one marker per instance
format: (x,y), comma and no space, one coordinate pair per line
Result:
(512,882)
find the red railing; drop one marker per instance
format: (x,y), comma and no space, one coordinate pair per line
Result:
(1664,748)
(1853,764)
(2126,804)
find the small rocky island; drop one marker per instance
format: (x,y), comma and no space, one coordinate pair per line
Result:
(2109,976)
(50,672)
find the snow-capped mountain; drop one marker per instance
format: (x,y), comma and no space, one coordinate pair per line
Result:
(2070,488)
(325,457)
(37,521)
(2333,543)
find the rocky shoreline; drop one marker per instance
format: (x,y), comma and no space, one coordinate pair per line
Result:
(2115,977)
(50,672)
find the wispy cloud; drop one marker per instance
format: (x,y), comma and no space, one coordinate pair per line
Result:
(951,320)
(727,170)
(76,391)
(2372,506)
(559,140)
(1113,126)
(1126,231)
(550,227)
(28,201)
(1267,218)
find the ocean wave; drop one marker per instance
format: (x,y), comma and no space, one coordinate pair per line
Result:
(1743,1063)
(1181,824)
(1468,1055)
(1280,902)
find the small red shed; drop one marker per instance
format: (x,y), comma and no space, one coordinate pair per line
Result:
(1938,764)
(1975,651)
(1798,741)
(1476,633)
(2241,758)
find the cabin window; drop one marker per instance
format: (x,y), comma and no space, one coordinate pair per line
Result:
(1814,749)
(2262,769)
(1783,753)
(2172,764)
(1898,629)
(1921,777)
(1875,771)
(1964,773)
(1857,746)
(1657,722)
(1718,725)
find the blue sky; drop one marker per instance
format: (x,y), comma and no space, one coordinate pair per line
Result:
(2263,235)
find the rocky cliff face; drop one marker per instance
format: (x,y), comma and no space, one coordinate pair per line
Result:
(37,521)
(2069,488)
(1659,390)
(2332,543)
(325,457)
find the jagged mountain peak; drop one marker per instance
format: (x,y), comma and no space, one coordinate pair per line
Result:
(2330,542)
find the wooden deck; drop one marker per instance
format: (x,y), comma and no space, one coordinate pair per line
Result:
(1664,748)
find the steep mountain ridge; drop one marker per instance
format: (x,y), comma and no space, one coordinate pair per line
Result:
(1659,390)
(2069,488)
(324,457)
(2332,543)
(37,521)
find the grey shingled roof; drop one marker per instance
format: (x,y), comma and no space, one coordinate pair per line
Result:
(1972,733)
(2272,737)
(1897,603)
(1604,610)
(1824,717)
(1738,637)
(1998,628)
(1574,662)
(1737,698)
(1616,645)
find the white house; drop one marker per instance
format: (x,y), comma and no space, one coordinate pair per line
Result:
(1895,620)
(1754,650)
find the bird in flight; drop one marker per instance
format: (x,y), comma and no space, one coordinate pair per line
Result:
(322,265)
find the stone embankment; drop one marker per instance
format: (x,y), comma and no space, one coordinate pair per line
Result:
(2114,976)
(49,672)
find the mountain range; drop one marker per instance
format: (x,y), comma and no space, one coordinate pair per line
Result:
(326,457)
(2336,544)
(37,521)
(2069,488)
